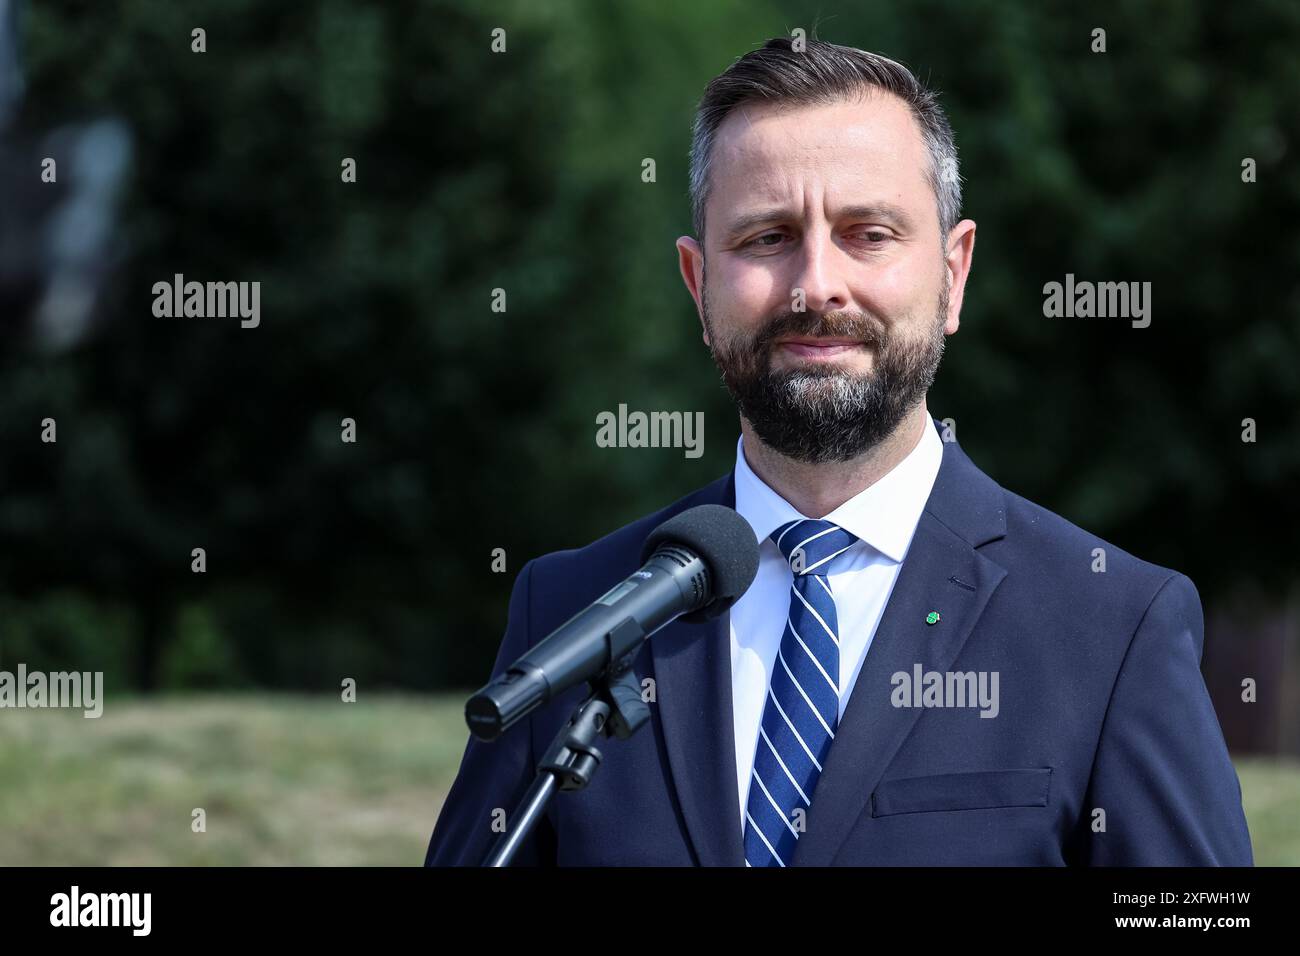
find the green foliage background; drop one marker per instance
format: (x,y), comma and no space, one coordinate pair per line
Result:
(522,171)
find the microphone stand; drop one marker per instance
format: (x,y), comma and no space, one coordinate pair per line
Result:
(614,707)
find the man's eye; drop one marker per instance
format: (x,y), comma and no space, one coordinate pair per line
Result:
(770,240)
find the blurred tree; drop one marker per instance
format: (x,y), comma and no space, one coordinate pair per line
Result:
(522,171)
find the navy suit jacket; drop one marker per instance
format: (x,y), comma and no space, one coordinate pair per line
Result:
(1105,750)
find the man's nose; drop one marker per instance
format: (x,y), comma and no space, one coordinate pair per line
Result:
(820,274)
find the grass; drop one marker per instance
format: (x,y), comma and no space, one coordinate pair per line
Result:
(283,780)
(303,781)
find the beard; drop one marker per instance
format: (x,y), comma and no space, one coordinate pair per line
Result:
(820,413)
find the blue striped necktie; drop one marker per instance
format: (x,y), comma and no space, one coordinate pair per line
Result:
(803,699)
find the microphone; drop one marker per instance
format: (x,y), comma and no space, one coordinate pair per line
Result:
(696,565)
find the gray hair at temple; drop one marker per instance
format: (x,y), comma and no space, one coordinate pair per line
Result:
(819,74)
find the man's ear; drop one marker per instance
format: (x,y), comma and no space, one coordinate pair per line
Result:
(690,259)
(961,250)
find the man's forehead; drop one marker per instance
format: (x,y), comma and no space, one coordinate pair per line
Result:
(758,129)
(863,151)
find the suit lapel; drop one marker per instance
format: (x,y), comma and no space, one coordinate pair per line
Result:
(692,668)
(944,572)
(692,664)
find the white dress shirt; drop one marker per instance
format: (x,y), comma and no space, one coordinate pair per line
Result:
(884,518)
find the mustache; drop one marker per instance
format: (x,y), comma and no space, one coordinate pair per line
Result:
(847,325)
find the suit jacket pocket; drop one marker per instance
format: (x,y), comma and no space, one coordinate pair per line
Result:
(978,790)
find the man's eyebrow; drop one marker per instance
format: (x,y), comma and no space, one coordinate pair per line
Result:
(886,212)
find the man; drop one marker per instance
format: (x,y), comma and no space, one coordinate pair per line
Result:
(927,669)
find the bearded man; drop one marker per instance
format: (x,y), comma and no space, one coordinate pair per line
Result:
(927,669)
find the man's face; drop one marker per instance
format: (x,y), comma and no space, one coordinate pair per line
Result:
(831,205)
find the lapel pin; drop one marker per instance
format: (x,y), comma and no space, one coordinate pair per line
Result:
(932,617)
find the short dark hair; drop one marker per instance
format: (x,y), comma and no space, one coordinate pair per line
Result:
(818,73)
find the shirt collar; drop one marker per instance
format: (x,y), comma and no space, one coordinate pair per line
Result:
(884,515)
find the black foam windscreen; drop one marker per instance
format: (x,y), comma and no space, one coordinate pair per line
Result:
(724,541)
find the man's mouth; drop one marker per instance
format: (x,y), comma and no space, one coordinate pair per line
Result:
(819,348)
